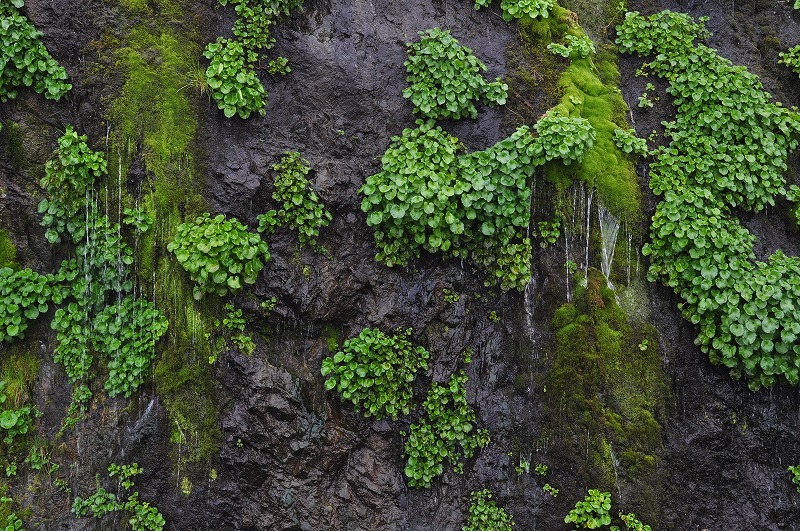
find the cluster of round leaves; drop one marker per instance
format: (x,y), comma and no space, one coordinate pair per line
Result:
(219,254)
(577,47)
(374,371)
(231,74)
(142,515)
(628,142)
(519,8)
(25,60)
(68,178)
(729,145)
(446,432)
(429,196)
(593,512)
(24,294)
(301,208)
(445,79)
(127,333)
(13,421)
(485,515)
(791,58)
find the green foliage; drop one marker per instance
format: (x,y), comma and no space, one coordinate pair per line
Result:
(445,79)
(627,141)
(548,232)
(541,469)
(142,516)
(791,58)
(231,74)
(219,254)
(578,46)
(485,515)
(631,522)
(795,470)
(24,59)
(232,326)
(797,4)
(728,150)
(519,8)
(8,251)
(301,208)
(375,371)
(137,218)
(549,489)
(24,295)
(450,296)
(593,512)
(14,422)
(68,179)
(446,432)
(431,197)
(127,334)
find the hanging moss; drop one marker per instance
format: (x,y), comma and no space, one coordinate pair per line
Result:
(606,391)
(8,251)
(155,125)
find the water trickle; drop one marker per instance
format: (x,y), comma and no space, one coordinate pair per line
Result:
(530,291)
(588,220)
(609,228)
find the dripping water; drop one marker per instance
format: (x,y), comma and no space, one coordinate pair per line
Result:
(609,228)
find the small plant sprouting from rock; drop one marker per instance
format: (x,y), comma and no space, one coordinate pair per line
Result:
(520,8)
(142,515)
(301,208)
(486,515)
(795,470)
(591,513)
(791,58)
(374,371)
(578,47)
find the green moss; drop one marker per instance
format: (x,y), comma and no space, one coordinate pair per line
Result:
(19,367)
(154,120)
(8,251)
(15,144)
(607,383)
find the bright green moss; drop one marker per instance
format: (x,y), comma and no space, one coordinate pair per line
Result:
(154,119)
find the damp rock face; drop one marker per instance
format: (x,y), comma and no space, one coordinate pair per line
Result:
(293,457)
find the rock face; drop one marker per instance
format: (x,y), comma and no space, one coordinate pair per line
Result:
(293,457)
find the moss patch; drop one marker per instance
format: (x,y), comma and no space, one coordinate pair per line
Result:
(8,251)
(155,125)
(606,392)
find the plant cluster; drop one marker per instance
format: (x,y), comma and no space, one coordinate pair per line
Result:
(142,515)
(519,8)
(591,513)
(627,141)
(232,326)
(13,421)
(25,60)
(791,58)
(795,470)
(301,208)
(24,295)
(485,515)
(429,196)
(445,79)
(446,432)
(137,218)
(375,372)
(548,232)
(231,74)
(67,182)
(127,332)
(219,254)
(728,150)
(578,47)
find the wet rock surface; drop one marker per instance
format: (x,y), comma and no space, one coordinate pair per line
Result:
(296,458)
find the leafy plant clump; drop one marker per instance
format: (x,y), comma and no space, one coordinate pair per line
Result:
(142,515)
(791,58)
(485,515)
(728,150)
(14,422)
(301,208)
(445,79)
(24,295)
(375,371)
(578,46)
(231,73)
(430,196)
(795,470)
(446,432)
(219,254)
(25,60)
(519,8)
(627,141)
(591,513)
